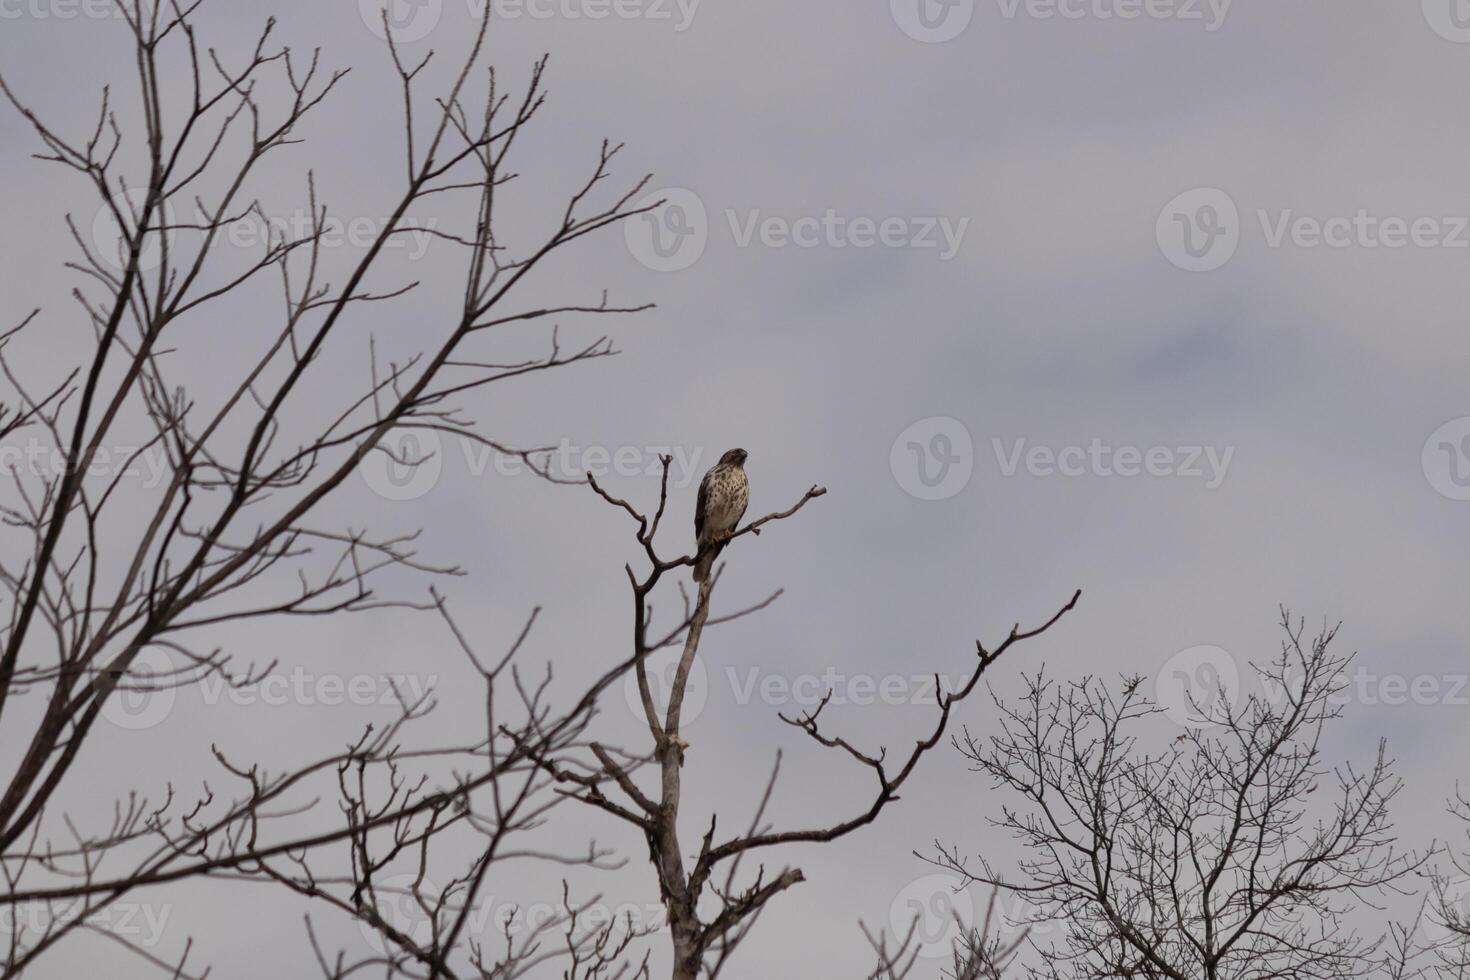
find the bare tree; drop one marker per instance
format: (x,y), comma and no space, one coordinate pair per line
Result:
(703,944)
(978,952)
(1446,916)
(1235,852)
(98,571)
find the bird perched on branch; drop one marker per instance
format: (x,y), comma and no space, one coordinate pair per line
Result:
(723,496)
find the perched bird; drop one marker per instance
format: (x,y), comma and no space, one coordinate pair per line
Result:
(723,495)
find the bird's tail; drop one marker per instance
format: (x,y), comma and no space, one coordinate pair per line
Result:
(705,562)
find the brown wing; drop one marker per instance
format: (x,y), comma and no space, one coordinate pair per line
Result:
(701,506)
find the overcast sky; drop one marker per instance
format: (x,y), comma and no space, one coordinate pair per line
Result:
(1158,299)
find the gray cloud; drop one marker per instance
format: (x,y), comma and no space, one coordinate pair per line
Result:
(1058,321)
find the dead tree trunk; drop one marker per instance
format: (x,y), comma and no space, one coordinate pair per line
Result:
(702,946)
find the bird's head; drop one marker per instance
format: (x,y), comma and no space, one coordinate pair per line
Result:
(735,457)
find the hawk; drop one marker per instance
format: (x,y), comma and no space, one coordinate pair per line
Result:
(723,494)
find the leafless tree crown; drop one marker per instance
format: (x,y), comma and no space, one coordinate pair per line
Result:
(1236,852)
(98,572)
